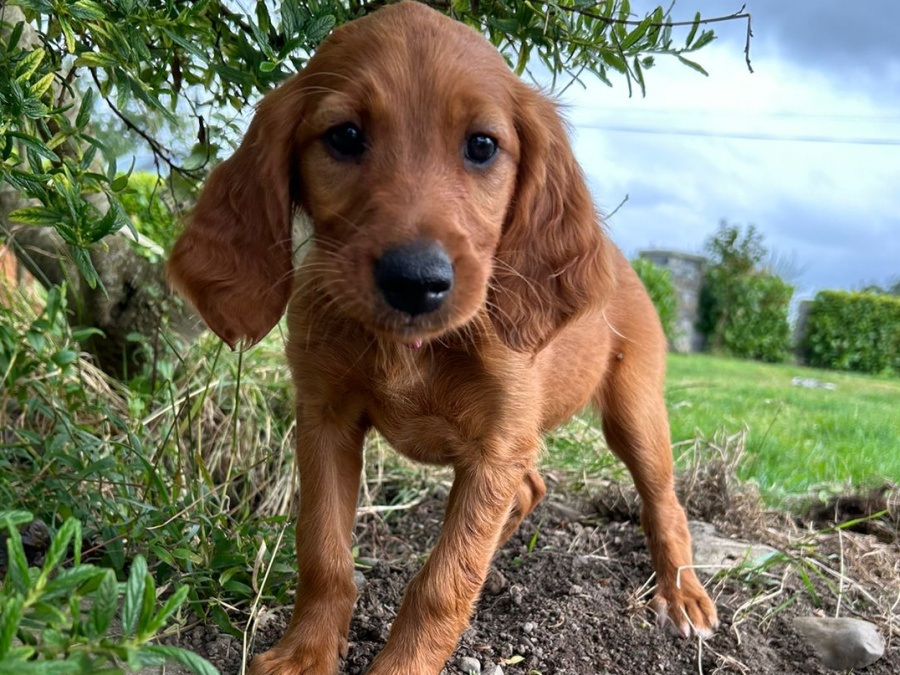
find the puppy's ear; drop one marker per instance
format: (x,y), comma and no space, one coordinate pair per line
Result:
(233,261)
(553,261)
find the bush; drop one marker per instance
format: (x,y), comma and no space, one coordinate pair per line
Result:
(853,331)
(743,307)
(658,282)
(165,469)
(65,614)
(757,325)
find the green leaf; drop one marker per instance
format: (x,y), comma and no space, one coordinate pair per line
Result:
(15,518)
(196,664)
(85,265)
(17,564)
(690,37)
(35,215)
(9,623)
(84,112)
(70,578)
(119,183)
(318,29)
(171,605)
(187,45)
(69,667)
(616,61)
(291,18)
(14,36)
(68,33)
(134,593)
(705,38)
(29,64)
(638,32)
(692,64)
(41,6)
(35,145)
(71,528)
(64,357)
(106,601)
(96,60)
(148,604)
(85,9)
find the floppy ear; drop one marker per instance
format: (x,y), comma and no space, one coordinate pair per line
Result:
(233,261)
(553,261)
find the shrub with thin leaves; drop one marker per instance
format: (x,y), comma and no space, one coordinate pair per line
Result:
(73,617)
(160,468)
(154,66)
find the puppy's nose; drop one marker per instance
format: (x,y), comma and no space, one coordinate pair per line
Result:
(415,278)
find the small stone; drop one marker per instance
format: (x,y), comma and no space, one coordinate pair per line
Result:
(842,644)
(495,582)
(359,579)
(717,552)
(495,670)
(528,628)
(469,665)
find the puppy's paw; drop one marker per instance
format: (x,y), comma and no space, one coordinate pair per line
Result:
(302,659)
(686,608)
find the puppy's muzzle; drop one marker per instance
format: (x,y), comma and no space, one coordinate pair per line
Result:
(415,278)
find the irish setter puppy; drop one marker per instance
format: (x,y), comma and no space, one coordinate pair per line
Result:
(458,295)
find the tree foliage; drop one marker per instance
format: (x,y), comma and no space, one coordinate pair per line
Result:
(63,63)
(743,306)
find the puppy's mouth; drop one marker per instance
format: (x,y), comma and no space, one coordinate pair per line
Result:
(411,331)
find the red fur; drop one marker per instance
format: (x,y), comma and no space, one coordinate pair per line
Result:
(545,317)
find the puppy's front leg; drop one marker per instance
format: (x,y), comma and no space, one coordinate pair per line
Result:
(329,460)
(439,600)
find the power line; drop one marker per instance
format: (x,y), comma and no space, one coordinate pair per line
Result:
(735,135)
(888,118)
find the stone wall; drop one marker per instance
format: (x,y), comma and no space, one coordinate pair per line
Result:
(687,278)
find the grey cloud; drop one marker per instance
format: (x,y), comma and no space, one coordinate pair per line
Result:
(831,36)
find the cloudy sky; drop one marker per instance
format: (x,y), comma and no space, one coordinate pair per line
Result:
(807,147)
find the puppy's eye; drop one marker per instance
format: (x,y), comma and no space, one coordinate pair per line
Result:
(345,141)
(480,148)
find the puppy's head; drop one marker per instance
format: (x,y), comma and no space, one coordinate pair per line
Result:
(436,182)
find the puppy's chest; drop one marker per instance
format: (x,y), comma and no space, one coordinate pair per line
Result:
(426,408)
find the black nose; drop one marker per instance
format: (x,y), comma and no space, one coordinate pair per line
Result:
(415,278)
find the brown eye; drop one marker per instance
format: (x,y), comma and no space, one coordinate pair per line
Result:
(345,141)
(480,148)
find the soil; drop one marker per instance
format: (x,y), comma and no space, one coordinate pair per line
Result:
(565,598)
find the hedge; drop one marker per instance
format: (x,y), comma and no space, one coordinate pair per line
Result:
(658,282)
(853,331)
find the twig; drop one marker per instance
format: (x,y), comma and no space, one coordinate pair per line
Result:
(740,14)
(616,210)
(158,150)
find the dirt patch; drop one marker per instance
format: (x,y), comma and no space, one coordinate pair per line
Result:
(566,597)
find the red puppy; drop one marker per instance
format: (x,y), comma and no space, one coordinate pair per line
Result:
(459,296)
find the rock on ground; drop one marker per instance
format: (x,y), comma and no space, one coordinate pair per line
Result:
(711,549)
(843,644)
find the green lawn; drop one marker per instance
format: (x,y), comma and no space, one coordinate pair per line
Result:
(798,438)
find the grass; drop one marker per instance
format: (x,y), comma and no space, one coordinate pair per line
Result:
(189,464)
(799,439)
